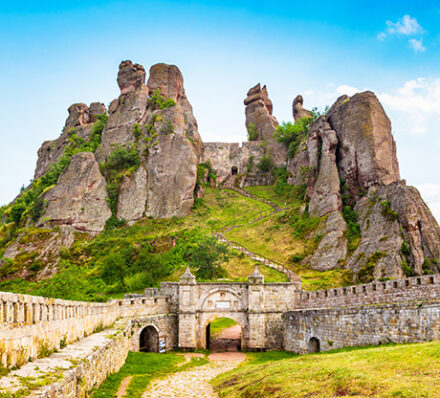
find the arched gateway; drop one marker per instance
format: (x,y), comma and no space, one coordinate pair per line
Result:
(257,307)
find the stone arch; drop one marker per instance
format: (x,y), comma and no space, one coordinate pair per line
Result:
(203,301)
(234,170)
(149,339)
(314,345)
(220,302)
(237,317)
(137,327)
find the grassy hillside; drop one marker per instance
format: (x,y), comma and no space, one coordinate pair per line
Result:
(130,258)
(410,371)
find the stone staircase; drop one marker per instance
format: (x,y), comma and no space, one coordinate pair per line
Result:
(249,221)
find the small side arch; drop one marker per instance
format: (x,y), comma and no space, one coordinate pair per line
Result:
(149,339)
(314,345)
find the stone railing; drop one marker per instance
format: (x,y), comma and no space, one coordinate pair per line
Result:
(425,287)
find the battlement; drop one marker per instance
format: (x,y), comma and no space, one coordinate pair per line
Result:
(415,288)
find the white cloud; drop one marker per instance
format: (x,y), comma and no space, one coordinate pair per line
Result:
(417,45)
(416,105)
(404,26)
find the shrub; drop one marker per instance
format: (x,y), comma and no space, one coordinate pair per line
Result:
(405,249)
(206,257)
(265,164)
(292,134)
(387,211)
(252,132)
(122,158)
(407,269)
(37,208)
(353,232)
(250,164)
(158,101)
(366,273)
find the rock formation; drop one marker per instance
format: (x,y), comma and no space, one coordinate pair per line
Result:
(79,197)
(298,110)
(165,137)
(352,146)
(80,120)
(259,113)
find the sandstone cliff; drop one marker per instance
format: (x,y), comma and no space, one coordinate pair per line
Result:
(350,166)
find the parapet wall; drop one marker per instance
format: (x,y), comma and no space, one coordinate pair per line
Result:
(30,324)
(424,287)
(361,325)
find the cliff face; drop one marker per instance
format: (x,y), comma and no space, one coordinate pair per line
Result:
(140,159)
(164,136)
(350,166)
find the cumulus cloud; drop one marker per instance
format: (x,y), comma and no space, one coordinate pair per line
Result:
(405,26)
(417,45)
(416,105)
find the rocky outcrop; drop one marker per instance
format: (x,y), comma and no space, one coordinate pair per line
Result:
(353,144)
(130,77)
(80,121)
(325,192)
(259,113)
(298,110)
(79,198)
(366,151)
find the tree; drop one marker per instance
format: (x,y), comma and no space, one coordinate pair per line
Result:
(207,256)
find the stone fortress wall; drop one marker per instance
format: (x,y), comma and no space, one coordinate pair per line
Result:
(29,323)
(271,316)
(399,311)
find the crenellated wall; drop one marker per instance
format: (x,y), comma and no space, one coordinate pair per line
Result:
(29,324)
(361,325)
(404,310)
(424,287)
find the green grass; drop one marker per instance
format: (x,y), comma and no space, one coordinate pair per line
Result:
(405,371)
(268,192)
(143,367)
(220,324)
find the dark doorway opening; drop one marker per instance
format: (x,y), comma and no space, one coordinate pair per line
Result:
(149,340)
(223,335)
(234,170)
(314,345)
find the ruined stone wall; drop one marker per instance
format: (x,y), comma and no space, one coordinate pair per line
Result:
(92,371)
(29,323)
(245,158)
(424,287)
(362,325)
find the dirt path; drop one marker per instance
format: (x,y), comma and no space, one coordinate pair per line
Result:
(123,387)
(195,382)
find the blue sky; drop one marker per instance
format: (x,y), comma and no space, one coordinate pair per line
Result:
(57,53)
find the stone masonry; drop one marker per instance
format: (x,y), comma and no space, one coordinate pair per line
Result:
(271,316)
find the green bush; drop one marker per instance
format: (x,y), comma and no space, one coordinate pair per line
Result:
(265,164)
(252,132)
(353,232)
(122,158)
(405,249)
(366,273)
(158,101)
(292,134)
(388,212)
(207,256)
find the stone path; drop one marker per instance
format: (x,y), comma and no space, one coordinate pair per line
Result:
(195,382)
